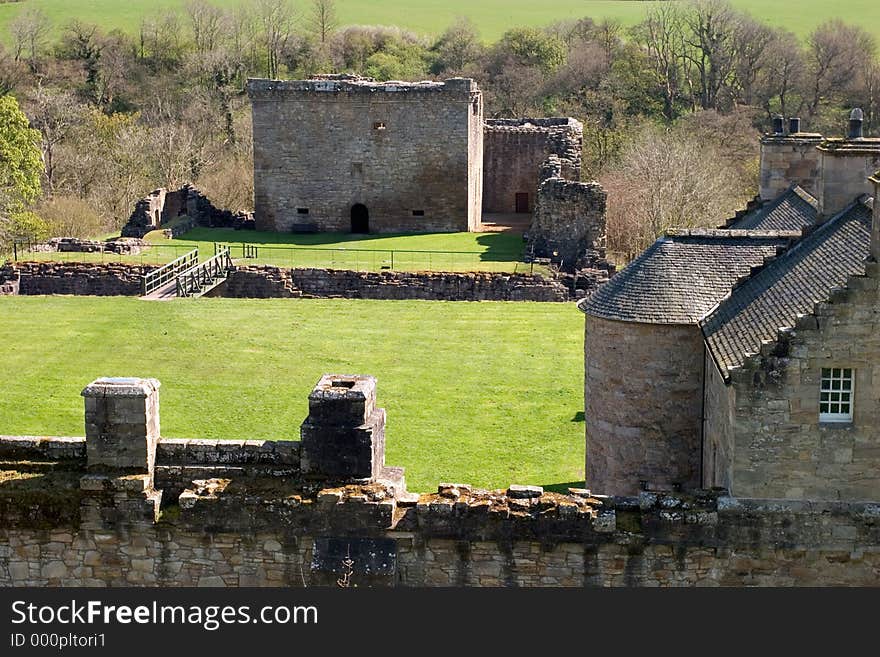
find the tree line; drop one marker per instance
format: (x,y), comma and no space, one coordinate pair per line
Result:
(671,106)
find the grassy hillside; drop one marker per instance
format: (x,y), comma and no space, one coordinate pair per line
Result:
(488,393)
(493,17)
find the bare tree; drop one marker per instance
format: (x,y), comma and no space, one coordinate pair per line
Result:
(661,36)
(779,84)
(29,31)
(835,52)
(712,43)
(324,20)
(754,40)
(275,19)
(207,23)
(11,72)
(55,114)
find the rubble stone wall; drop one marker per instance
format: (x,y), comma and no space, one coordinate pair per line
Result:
(79,278)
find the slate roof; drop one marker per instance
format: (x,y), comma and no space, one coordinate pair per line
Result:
(682,276)
(790,285)
(794,209)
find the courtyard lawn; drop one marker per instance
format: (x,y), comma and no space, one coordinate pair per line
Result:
(492,17)
(488,393)
(404,252)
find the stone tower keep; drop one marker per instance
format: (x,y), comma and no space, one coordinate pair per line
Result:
(340,153)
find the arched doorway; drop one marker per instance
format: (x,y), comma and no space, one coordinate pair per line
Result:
(360,218)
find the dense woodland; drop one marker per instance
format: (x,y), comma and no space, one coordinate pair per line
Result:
(672,107)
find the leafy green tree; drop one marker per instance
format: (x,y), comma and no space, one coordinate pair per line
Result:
(530,46)
(21,164)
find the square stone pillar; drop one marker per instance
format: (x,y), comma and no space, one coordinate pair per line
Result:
(875,224)
(122,423)
(343,438)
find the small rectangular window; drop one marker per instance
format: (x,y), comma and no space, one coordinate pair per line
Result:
(836,394)
(418,213)
(302,210)
(379,125)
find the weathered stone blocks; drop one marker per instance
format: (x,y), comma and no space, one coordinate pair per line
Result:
(122,423)
(343,438)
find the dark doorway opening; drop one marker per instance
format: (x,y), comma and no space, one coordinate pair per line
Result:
(522,202)
(360,218)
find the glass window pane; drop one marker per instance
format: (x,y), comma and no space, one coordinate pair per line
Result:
(847,373)
(826,373)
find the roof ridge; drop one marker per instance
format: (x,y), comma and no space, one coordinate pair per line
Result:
(805,195)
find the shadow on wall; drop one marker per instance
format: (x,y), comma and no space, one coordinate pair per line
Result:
(563,488)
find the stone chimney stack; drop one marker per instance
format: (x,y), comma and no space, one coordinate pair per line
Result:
(846,165)
(343,438)
(788,159)
(875,224)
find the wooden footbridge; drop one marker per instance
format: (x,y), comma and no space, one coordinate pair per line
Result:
(187,277)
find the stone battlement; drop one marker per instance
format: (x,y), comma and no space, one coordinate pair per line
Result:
(263,88)
(108,510)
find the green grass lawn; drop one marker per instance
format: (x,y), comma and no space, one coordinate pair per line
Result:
(488,393)
(409,252)
(492,17)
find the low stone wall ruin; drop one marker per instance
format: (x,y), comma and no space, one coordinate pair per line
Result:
(79,278)
(124,506)
(261,281)
(257,281)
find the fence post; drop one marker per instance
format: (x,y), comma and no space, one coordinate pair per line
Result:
(15,251)
(392,260)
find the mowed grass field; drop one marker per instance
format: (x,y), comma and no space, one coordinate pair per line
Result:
(492,17)
(486,393)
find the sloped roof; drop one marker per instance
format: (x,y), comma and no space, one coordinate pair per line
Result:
(794,209)
(788,286)
(682,276)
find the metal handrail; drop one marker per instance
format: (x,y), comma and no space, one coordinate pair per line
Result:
(195,279)
(166,273)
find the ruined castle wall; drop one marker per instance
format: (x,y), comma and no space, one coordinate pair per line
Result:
(107,536)
(513,152)
(569,223)
(789,160)
(260,281)
(643,391)
(407,152)
(79,278)
(781,449)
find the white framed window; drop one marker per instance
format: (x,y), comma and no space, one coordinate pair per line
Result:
(836,394)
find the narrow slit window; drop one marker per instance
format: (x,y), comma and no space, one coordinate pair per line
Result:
(836,394)
(302,210)
(418,213)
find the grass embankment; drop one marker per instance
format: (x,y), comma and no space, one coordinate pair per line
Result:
(492,17)
(486,393)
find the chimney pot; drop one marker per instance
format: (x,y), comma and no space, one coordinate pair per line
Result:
(778,124)
(856,120)
(794,125)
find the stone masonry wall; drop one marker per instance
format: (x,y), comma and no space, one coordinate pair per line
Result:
(643,417)
(513,152)
(569,222)
(125,507)
(79,278)
(845,168)
(779,448)
(409,153)
(263,281)
(788,160)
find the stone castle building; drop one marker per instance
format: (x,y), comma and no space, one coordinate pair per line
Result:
(748,357)
(345,153)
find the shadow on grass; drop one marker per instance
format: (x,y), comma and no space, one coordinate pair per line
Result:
(501,247)
(578,417)
(563,488)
